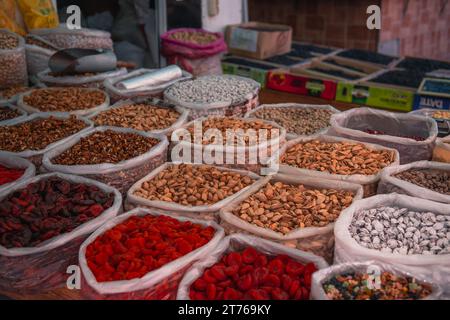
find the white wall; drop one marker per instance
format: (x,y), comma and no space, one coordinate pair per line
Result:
(230,12)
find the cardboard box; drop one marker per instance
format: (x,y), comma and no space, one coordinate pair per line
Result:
(288,80)
(255,70)
(433,94)
(258,40)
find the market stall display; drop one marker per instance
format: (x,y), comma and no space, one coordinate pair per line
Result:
(14,170)
(13,64)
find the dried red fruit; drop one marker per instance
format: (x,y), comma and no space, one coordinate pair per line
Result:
(8,175)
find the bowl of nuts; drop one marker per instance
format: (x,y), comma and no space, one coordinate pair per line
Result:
(73,100)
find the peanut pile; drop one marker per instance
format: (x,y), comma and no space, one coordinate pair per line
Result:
(64,99)
(344,158)
(300,121)
(138,116)
(193,37)
(38,134)
(10,92)
(7,113)
(193,185)
(8,42)
(106,147)
(224,124)
(284,207)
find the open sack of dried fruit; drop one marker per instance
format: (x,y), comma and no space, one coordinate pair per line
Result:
(243,267)
(334,158)
(441,152)
(14,170)
(296,211)
(143,255)
(412,135)
(190,190)
(116,156)
(38,133)
(371,280)
(13,64)
(423,179)
(400,230)
(43,221)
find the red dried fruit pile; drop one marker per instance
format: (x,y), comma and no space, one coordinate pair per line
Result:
(48,208)
(377,132)
(252,275)
(142,244)
(8,175)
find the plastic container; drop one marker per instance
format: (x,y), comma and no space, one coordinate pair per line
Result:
(159,284)
(43,268)
(13,162)
(13,64)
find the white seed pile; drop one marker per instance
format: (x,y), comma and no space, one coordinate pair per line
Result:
(402,231)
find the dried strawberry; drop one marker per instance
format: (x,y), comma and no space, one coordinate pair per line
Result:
(249,255)
(211,291)
(272,280)
(257,294)
(234,258)
(276,266)
(231,294)
(231,270)
(199,284)
(294,268)
(218,272)
(245,282)
(279,294)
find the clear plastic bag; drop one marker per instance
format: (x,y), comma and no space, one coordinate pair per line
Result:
(85,112)
(441,152)
(391,184)
(238,242)
(79,38)
(290,135)
(352,123)
(43,268)
(13,63)
(434,267)
(369,182)
(89,81)
(206,212)
(35,156)
(22,114)
(159,284)
(318,240)
(120,175)
(10,161)
(117,94)
(319,277)
(207,66)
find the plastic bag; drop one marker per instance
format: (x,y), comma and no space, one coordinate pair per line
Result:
(38,13)
(238,242)
(38,57)
(120,175)
(434,267)
(13,64)
(43,268)
(159,284)
(220,108)
(352,123)
(209,66)
(441,152)
(291,135)
(144,92)
(318,240)
(207,212)
(391,184)
(84,38)
(83,112)
(7,17)
(22,114)
(320,276)
(35,156)
(10,161)
(369,182)
(89,81)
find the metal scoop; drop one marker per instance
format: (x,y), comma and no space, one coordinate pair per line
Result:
(73,61)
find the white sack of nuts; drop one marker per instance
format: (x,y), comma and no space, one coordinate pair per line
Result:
(352,124)
(120,175)
(17,163)
(335,158)
(73,100)
(116,93)
(11,110)
(225,95)
(297,119)
(390,184)
(441,152)
(78,38)
(192,190)
(403,228)
(297,211)
(88,80)
(13,64)
(38,53)
(150,115)
(11,94)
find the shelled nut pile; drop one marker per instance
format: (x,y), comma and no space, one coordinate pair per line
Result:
(64,99)
(346,158)
(10,92)
(436,180)
(139,116)
(283,207)
(38,133)
(300,121)
(8,42)
(196,37)
(191,185)
(8,113)
(106,147)
(402,231)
